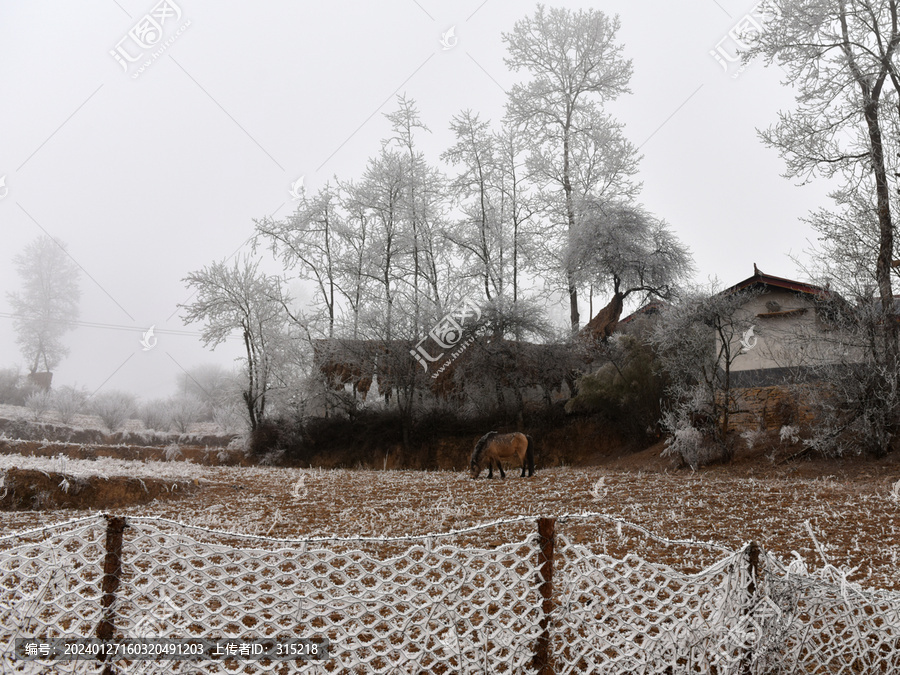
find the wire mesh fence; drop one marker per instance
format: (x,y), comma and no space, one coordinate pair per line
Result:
(574,594)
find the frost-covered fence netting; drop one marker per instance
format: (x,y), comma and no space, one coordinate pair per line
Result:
(574,594)
(50,585)
(455,603)
(742,613)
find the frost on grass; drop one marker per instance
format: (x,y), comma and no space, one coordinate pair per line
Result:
(173,452)
(104,467)
(855,518)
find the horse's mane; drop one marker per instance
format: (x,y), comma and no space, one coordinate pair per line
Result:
(480,446)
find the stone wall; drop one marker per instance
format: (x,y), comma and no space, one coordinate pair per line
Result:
(771,407)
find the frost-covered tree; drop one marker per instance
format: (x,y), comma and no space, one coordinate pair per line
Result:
(307,245)
(849,351)
(421,211)
(352,265)
(381,193)
(841,57)
(47,304)
(478,234)
(492,196)
(241,298)
(696,342)
(576,149)
(842,60)
(211,384)
(517,205)
(622,249)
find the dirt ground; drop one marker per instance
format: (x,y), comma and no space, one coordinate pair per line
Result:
(840,512)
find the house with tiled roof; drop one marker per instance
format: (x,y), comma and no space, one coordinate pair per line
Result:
(788,330)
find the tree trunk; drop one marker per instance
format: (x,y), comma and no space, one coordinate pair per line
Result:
(886,232)
(570,216)
(601,327)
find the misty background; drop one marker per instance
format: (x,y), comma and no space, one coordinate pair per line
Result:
(149,177)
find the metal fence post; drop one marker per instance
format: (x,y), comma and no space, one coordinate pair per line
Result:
(543,661)
(112,572)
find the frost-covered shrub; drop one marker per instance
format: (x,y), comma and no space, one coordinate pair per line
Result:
(39,403)
(238,443)
(752,437)
(68,402)
(113,408)
(691,446)
(184,411)
(789,434)
(173,452)
(155,415)
(12,391)
(598,490)
(895,492)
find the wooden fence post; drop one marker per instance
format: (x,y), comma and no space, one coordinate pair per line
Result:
(112,572)
(543,662)
(753,553)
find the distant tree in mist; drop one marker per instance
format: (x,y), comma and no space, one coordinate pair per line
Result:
(212,384)
(46,304)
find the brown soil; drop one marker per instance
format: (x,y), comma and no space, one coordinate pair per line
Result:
(769,460)
(192,453)
(37,430)
(30,490)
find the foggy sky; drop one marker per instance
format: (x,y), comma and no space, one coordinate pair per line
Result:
(147,178)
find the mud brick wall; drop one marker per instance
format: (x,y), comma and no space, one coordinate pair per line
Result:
(770,407)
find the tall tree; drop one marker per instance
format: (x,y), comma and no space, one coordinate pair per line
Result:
(306,243)
(624,250)
(576,67)
(841,57)
(420,210)
(352,266)
(241,298)
(477,234)
(517,204)
(380,192)
(47,304)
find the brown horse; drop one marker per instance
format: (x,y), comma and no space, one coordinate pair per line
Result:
(493,448)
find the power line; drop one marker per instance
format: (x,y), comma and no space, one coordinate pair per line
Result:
(112,326)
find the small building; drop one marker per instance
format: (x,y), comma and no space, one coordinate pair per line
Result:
(787,334)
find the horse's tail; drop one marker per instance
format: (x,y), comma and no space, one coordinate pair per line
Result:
(529,455)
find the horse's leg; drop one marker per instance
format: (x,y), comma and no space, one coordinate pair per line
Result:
(529,455)
(523,467)
(491,469)
(500,466)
